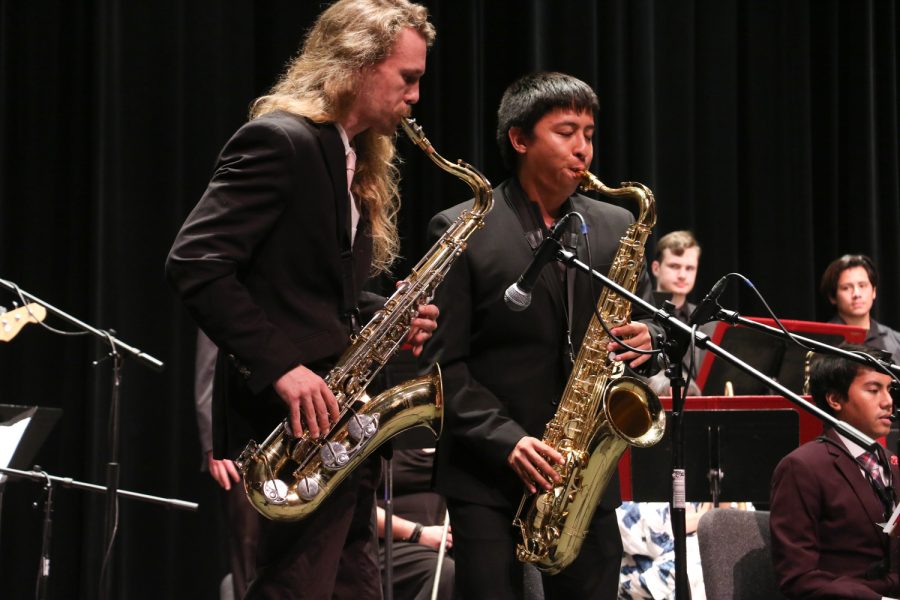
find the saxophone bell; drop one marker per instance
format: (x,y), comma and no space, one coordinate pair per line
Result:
(634,412)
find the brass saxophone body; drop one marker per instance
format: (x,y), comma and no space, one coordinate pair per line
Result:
(287,478)
(602,411)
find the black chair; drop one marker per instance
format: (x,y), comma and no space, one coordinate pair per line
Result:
(735,550)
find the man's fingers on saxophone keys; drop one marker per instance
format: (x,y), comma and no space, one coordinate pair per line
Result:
(520,473)
(547,474)
(320,412)
(331,405)
(529,459)
(294,420)
(535,479)
(549,452)
(309,416)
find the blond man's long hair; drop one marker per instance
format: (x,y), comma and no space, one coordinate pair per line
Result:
(321,84)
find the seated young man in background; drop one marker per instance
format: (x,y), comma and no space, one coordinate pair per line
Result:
(830,496)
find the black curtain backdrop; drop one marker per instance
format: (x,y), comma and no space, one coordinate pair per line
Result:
(770,128)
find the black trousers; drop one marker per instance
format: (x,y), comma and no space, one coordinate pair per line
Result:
(484,549)
(243,537)
(331,554)
(414,569)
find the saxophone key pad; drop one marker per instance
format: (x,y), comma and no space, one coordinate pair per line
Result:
(362,427)
(334,455)
(275,491)
(308,488)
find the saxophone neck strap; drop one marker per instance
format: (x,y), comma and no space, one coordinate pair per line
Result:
(529,215)
(349,307)
(535,231)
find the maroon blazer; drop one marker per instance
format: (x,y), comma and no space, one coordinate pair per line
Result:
(825,541)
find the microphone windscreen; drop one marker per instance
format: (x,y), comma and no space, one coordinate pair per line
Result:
(516,299)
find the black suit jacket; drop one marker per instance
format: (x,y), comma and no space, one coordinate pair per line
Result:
(503,371)
(825,542)
(258,266)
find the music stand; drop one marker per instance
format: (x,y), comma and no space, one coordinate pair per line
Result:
(777,358)
(23,430)
(19,453)
(745,445)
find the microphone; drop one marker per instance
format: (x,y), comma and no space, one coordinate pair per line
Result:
(707,309)
(518,295)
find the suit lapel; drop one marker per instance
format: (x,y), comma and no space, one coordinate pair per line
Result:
(894,547)
(889,461)
(336,162)
(849,469)
(360,251)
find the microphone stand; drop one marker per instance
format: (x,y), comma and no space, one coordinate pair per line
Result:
(118,349)
(715,474)
(387,467)
(44,565)
(681,335)
(733,318)
(43,577)
(674,347)
(81,485)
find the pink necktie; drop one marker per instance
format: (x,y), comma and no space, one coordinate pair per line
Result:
(351,166)
(869,463)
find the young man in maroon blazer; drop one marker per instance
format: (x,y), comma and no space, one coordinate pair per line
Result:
(830,497)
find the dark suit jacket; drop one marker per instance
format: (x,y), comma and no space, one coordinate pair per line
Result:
(257,263)
(825,543)
(504,371)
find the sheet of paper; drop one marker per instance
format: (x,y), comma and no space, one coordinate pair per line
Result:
(890,527)
(10,436)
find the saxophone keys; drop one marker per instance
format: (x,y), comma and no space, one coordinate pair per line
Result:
(362,427)
(334,455)
(275,491)
(248,454)
(571,429)
(308,487)
(545,501)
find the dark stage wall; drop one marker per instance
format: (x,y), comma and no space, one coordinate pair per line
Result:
(770,128)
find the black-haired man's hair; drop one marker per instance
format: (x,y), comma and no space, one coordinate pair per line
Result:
(531,97)
(829,373)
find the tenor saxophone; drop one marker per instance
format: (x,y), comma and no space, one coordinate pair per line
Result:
(602,411)
(286,478)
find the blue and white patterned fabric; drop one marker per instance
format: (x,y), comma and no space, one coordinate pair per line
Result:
(648,560)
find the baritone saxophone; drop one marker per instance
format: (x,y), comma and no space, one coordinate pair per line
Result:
(287,478)
(602,411)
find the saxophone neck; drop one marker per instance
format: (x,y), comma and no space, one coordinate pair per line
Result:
(480,185)
(640,192)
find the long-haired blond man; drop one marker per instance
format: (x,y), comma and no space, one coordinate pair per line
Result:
(299,213)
